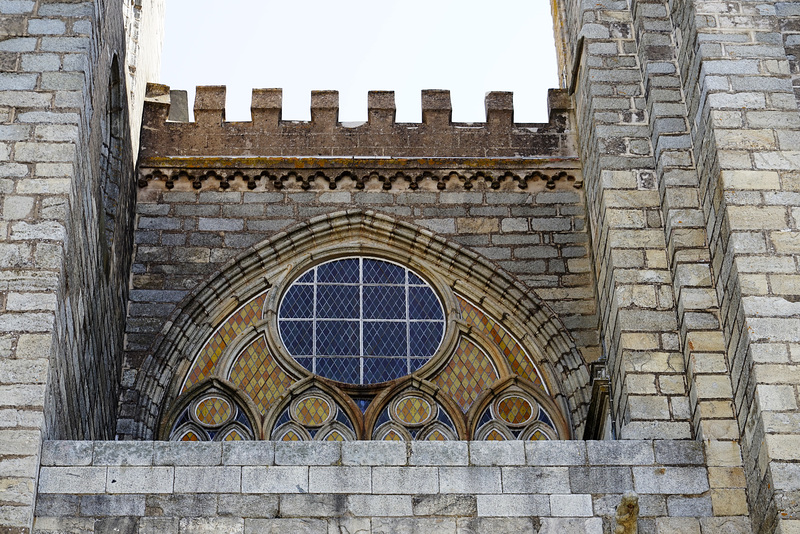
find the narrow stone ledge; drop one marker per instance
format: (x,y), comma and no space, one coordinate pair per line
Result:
(447,453)
(307,453)
(67,453)
(121,453)
(556,452)
(374,453)
(187,453)
(497,453)
(622,452)
(248,453)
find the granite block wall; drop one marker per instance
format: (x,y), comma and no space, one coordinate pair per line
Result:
(378,487)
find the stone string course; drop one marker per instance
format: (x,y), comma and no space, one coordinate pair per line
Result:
(378,487)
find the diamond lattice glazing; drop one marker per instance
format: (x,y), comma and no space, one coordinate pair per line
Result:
(361,320)
(206,359)
(467,374)
(520,362)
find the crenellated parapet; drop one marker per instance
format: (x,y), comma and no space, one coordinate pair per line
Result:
(267,135)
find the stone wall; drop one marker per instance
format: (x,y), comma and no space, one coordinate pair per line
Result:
(63,290)
(379,487)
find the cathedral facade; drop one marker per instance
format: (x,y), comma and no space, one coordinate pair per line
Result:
(585,325)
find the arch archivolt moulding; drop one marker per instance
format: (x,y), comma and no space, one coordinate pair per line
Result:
(271,266)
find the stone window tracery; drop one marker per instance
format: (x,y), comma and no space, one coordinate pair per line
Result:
(362,347)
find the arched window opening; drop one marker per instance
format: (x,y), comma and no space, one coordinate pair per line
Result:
(111,164)
(363,347)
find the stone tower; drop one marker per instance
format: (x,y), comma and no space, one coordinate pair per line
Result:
(599,304)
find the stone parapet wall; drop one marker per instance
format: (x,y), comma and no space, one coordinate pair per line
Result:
(267,135)
(452,487)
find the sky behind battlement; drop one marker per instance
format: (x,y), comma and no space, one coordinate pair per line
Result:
(354,46)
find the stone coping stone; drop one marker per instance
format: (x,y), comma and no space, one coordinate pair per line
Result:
(374,453)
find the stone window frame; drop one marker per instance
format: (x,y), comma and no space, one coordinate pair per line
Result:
(358,232)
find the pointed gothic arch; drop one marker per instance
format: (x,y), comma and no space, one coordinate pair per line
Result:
(269,266)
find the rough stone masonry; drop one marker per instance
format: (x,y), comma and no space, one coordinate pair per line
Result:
(674,261)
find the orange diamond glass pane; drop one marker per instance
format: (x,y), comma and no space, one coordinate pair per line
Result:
(291,436)
(520,362)
(467,374)
(392,436)
(514,410)
(334,436)
(233,435)
(413,410)
(258,374)
(190,436)
(312,411)
(436,436)
(494,435)
(213,411)
(538,436)
(235,324)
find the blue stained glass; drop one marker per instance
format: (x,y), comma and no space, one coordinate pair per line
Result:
(342,418)
(308,363)
(382,272)
(283,419)
(384,302)
(543,417)
(298,303)
(385,339)
(337,302)
(297,337)
(485,418)
(444,418)
(337,338)
(306,278)
(346,370)
(425,337)
(384,417)
(339,272)
(384,369)
(415,280)
(363,404)
(423,304)
(416,363)
(328,309)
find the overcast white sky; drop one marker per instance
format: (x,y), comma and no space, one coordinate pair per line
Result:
(467,46)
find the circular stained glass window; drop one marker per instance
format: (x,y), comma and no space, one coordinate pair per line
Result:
(361,321)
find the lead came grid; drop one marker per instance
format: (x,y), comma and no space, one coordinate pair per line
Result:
(361,321)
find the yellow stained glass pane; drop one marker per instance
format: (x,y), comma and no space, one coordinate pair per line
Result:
(213,411)
(259,375)
(335,435)
(466,375)
(494,435)
(392,436)
(413,410)
(538,436)
(436,436)
(520,363)
(190,436)
(312,411)
(291,436)
(207,358)
(233,435)
(514,410)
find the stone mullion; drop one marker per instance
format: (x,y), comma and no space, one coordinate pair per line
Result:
(710,390)
(640,328)
(746,137)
